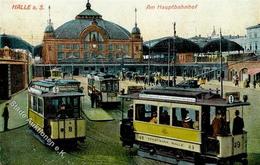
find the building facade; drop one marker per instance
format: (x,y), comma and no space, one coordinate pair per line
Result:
(13,66)
(90,39)
(253,38)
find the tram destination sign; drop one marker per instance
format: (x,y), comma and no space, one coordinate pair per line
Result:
(168,142)
(170,98)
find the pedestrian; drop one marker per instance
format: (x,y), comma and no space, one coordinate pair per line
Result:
(238,124)
(254,83)
(5,115)
(93,97)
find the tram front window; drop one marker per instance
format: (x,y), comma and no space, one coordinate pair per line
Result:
(69,105)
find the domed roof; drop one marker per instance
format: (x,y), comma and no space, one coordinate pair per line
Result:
(14,42)
(49,29)
(72,29)
(136,30)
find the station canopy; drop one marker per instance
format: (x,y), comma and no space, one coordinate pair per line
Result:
(177,44)
(14,42)
(226,46)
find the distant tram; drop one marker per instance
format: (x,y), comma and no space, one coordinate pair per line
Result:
(172,124)
(55,110)
(56,73)
(106,87)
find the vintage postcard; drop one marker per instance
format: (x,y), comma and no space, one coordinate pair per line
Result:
(129,82)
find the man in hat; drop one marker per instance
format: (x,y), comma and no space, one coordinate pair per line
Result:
(218,124)
(187,122)
(93,97)
(5,115)
(238,124)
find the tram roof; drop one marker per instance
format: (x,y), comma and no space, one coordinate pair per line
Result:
(186,96)
(62,94)
(51,83)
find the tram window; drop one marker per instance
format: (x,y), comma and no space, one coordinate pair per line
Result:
(40,106)
(164,117)
(116,88)
(103,87)
(34,103)
(76,107)
(143,112)
(188,118)
(109,87)
(51,107)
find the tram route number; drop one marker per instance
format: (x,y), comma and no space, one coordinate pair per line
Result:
(237,144)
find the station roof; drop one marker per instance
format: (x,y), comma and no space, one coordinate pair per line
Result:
(14,42)
(253,27)
(181,45)
(37,50)
(226,46)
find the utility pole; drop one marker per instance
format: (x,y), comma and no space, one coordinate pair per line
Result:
(174,54)
(169,62)
(221,66)
(149,65)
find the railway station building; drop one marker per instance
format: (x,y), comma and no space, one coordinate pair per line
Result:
(89,39)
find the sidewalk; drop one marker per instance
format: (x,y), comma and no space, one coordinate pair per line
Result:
(231,84)
(15,119)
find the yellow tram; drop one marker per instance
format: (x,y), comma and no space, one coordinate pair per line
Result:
(172,124)
(106,88)
(55,110)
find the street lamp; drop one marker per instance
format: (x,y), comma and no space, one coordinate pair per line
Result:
(93,48)
(71,57)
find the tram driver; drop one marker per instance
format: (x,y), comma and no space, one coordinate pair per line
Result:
(62,112)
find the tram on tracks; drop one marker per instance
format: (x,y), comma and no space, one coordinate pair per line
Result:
(173,124)
(106,88)
(55,111)
(56,73)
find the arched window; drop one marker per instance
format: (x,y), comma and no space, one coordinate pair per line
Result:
(94,36)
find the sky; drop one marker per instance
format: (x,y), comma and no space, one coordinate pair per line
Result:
(154,17)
